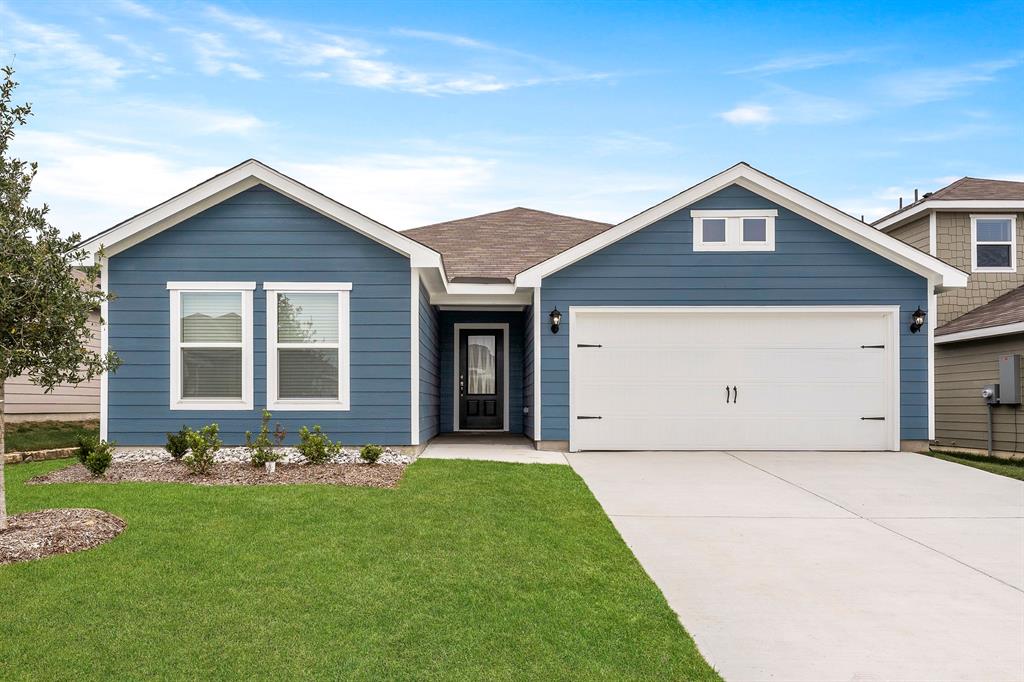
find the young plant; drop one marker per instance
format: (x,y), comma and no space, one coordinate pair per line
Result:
(86,444)
(315,446)
(260,449)
(370,453)
(177,443)
(203,444)
(98,460)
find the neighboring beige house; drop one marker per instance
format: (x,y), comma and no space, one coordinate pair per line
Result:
(976,225)
(28,402)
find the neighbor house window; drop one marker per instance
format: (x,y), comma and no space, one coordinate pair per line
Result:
(307,345)
(734,230)
(993,243)
(211,345)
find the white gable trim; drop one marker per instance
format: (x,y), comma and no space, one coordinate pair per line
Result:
(238,179)
(935,270)
(940,205)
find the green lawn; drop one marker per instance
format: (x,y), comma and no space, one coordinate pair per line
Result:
(26,436)
(468,570)
(994,465)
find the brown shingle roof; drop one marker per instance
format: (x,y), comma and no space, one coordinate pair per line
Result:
(1006,309)
(498,246)
(970,189)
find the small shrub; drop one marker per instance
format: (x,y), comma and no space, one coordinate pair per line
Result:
(260,449)
(177,443)
(315,446)
(100,457)
(86,444)
(203,444)
(370,453)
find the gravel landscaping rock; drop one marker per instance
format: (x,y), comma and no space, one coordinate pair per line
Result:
(241,455)
(39,534)
(233,473)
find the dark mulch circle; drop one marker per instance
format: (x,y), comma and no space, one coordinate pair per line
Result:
(39,534)
(224,473)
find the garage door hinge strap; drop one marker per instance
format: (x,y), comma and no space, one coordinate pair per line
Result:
(881,346)
(873,419)
(583,417)
(588,345)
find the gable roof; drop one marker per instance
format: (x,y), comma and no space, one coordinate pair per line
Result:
(498,246)
(1001,315)
(966,193)
(234,181)
(745,175)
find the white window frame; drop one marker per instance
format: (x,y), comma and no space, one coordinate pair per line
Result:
(343,290)
(177,402)
(975,217)
(734,230)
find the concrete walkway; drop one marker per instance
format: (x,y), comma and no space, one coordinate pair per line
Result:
(828,566)
(489,447)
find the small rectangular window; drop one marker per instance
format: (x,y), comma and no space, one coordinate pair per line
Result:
(211,345)
(993,243)
(739,230)
(307,345)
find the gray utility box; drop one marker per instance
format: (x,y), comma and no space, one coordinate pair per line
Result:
(1009,379)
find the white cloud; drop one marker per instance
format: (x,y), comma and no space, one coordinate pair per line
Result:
(137,9)
(257,28)
(804,62)
(920,86)
(137,50)
(749,114)
(214,56)
(59,52)
(448,38)
(195,119)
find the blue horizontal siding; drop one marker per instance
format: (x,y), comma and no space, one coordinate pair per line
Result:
(811,265)
(447,321)
(260,235)
(430,372)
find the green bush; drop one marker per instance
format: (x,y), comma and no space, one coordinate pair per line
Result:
(370,453)
(177,443)
(203,444)
(260,449)
(86,444)
(315,446)
(99,458)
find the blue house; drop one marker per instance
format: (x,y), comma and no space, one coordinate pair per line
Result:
(738,314)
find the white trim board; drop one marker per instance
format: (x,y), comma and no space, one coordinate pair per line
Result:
(457,329)
(890,311)
(235,180)
(760,183)
(537,340)
(414,357)
(104,264)
(892,221)
(984,333)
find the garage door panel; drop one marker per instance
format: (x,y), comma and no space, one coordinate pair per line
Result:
(803,380)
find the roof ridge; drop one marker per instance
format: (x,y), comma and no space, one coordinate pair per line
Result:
(504,210)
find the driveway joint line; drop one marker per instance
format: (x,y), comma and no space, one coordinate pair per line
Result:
(872,521)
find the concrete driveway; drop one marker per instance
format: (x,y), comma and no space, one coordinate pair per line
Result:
(828,566)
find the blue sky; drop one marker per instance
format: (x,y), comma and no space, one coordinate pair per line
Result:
(420,112)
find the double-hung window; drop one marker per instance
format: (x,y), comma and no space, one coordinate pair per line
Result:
(308,345)
(752,230)
(211,345)
(993,243)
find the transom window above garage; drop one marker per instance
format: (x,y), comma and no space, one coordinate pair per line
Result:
(993,243)
(752,230)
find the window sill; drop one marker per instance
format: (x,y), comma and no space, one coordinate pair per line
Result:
(307,405)
(994,270)
(209,404)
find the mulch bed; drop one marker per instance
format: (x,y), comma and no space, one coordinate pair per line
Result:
(39,534)
(224,473)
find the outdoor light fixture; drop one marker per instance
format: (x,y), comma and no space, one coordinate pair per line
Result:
(556,319)
(916,321)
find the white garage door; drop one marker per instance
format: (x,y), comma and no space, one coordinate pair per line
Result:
(739,378)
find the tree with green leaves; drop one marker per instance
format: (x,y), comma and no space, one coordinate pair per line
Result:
(46,299)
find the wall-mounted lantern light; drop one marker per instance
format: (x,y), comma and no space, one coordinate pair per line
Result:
(916,320)
(556,320)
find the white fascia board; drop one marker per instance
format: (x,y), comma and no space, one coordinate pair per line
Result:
(770,188)
(518,299)
(238,179)
(940,205)
(1000,330)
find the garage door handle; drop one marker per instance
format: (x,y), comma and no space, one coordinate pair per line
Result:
(872,419)
(586,417)
(879,346)
(735,394)
(727,394)
(588,345)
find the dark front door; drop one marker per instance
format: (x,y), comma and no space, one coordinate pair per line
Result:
(481,379)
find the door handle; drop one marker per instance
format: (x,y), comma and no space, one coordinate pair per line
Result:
(727,394)
(462,385)
(735,393)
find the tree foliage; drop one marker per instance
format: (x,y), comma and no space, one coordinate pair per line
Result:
(46,298)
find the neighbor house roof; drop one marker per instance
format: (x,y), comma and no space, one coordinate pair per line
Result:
(965,193)
(1002,315)
(498,246)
